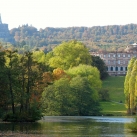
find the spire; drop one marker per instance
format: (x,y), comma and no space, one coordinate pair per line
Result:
(0,19)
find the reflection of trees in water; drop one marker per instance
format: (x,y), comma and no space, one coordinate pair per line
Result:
(20,127)
(64,126)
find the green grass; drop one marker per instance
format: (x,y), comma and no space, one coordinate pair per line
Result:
(115,86)
(113,108)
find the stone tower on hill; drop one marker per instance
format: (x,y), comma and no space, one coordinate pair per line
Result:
(4,32)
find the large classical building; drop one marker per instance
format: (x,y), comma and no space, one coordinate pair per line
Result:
(117,61)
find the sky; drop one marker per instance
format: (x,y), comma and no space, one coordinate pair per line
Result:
(68,13)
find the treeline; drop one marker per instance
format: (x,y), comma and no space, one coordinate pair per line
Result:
(65,81)
(21,83)
(97,37)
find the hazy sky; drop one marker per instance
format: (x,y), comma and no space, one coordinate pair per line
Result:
(68,13)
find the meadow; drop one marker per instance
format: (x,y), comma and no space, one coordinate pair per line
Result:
(115,86)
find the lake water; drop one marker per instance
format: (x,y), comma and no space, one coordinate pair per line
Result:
(70,126)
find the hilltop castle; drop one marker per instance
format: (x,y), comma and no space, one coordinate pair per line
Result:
(4,32)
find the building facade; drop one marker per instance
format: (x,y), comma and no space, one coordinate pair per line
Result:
(117,61)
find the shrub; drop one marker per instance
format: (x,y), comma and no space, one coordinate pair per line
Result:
(104,95)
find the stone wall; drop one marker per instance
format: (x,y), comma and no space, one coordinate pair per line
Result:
(116,62)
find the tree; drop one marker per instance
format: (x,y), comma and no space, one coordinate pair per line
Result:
(4,94)
(85,98)
(99,63)
(25,82)
(69,54)
(104,95)
(73,95)
(30,81)
(56,98)
(89,83)
(126,85)
(132,83)
(88,71)
(10,74)
(59,73)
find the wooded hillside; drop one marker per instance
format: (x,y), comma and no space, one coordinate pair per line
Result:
(97,37)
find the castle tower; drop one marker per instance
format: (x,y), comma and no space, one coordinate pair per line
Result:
(4,32)
(0,19)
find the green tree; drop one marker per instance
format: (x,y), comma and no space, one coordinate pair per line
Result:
(88,71)
(11,73)
(99,63)
(3,83)
(24,83)
(39,56)
(74,95)
(85,98)
(132,81)
(126,85)
(69,54)
(104,94)
(56,98)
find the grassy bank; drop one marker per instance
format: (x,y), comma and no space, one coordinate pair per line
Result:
(115,86)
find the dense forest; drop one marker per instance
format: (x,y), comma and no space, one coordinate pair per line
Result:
(95,38)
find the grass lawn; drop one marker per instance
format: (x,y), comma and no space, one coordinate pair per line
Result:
(115,86)
(113,108)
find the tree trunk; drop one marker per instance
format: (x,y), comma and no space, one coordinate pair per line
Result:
(11,93)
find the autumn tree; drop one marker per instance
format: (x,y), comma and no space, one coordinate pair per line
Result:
(25,80)
(73,95)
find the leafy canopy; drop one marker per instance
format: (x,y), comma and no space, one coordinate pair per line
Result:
(69,54)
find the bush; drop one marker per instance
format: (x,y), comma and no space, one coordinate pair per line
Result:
(33,115)
(104,95)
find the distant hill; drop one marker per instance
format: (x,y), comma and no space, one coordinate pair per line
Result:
(97,37)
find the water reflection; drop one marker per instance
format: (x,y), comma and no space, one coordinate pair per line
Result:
(70,126)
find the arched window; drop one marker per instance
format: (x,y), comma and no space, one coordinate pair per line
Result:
(121,68)
(116,68)
(111,68)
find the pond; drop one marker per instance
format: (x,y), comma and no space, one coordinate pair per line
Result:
(70,126)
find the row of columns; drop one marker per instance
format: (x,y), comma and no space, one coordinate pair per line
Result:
(115,68)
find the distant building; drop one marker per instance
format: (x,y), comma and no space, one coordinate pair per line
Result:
(4,32)
(117,61)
